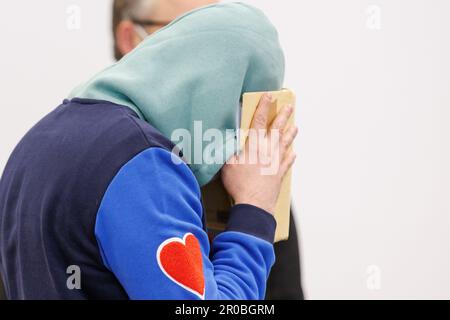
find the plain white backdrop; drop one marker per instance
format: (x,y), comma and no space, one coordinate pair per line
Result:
(372,183)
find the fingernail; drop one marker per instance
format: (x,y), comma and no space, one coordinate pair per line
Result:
(290,108)
(269,96)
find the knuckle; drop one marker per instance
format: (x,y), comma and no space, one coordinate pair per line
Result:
(260,120)
(291,137)
(285,143)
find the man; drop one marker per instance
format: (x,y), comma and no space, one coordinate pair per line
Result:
(133,20)
(100,199)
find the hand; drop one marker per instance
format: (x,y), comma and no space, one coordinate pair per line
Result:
(245,176)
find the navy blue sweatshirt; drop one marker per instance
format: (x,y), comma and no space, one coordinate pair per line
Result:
(94,191)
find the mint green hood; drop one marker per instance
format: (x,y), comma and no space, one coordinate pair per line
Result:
(196,69)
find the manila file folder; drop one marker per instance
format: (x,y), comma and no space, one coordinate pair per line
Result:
(217,202)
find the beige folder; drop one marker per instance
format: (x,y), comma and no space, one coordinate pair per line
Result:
(216,200)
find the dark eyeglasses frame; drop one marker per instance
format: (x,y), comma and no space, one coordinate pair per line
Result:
(150,23)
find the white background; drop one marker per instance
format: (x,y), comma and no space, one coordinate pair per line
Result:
(372,183)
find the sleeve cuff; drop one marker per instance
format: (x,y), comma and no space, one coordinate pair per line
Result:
(252,220)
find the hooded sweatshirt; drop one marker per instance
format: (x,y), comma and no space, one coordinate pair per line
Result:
(96,201)
(196,70)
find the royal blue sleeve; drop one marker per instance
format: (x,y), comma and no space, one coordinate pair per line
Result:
(151,235)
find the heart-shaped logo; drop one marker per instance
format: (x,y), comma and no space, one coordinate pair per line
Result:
(181,261)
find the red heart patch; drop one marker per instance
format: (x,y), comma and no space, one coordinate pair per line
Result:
(181,261)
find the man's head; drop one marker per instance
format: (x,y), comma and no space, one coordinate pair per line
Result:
(187,81)
(134,19)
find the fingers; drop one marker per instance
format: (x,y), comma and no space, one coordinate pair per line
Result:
(287,139)
(282,118)
(260,120)
(287,163)
(285,143)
